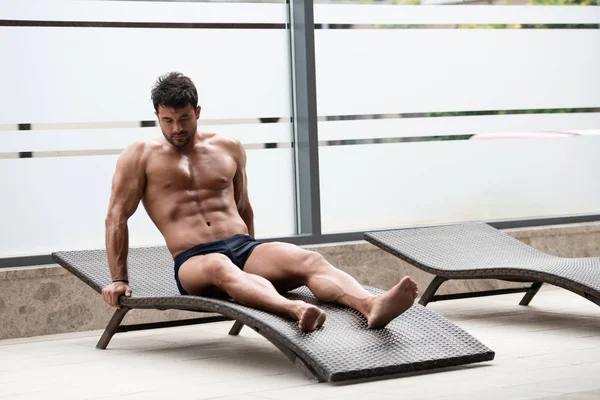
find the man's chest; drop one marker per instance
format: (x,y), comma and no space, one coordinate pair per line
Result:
(208,170)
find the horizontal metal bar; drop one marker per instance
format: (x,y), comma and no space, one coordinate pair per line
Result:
(437,114)
(153,25)
(454,296)
(388,140)
(529,223)
(49,126)
(169,324)
(286,119)
(26,261)
(565,25)
(306,240)
(437,12)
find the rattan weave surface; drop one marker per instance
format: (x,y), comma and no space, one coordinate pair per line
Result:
(342,349)
(480,251)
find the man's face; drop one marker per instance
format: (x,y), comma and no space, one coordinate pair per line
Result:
(178,125)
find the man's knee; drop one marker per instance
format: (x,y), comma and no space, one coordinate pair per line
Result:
(314,262)
(221,269)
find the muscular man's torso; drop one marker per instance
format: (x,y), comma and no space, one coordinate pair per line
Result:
(190,195)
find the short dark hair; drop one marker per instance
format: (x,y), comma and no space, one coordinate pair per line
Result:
(174,90)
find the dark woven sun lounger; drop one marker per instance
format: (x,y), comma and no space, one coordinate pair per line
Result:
(479,251)
(342,349)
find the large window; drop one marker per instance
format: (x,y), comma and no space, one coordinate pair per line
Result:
(355,115)
(406,95)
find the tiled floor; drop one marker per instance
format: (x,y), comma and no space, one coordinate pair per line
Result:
(549,350)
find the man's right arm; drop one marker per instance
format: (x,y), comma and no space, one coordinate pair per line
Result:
(128,185)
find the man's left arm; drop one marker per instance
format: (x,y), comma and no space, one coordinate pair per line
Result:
(240,187)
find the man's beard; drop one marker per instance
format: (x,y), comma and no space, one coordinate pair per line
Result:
(180,142)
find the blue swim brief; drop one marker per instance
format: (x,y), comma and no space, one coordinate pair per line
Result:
(237,248)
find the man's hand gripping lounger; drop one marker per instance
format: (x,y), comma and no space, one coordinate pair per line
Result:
(193,186)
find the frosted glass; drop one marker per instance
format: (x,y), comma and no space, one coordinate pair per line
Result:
(52,204)
(423,70)
(56,75)
(375,186)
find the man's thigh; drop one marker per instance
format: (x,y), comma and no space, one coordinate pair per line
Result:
(197,275)
(280,263)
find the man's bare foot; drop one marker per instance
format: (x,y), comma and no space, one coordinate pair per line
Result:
(388,306)
(309,317)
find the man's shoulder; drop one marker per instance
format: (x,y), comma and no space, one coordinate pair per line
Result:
(144,145)
(140,148)
(228,141)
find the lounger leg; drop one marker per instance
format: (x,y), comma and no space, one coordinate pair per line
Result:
(431,289)
(236,328)
(112,327)
(530,293)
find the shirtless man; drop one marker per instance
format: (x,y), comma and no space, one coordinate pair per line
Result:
(194,187)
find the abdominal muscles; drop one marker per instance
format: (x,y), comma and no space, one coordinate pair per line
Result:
(192,217)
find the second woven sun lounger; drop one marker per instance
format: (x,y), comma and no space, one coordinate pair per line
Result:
(342,349)
(479,251)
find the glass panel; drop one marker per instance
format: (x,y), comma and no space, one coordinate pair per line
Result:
(406,93)
(78,90)
(105,74)
(436,70)
(366,187)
